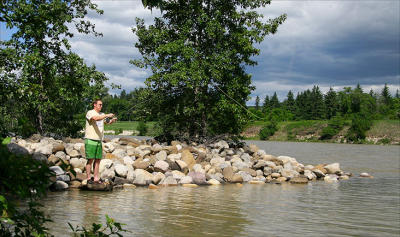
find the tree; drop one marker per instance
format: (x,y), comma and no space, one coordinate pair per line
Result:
(274,102)
(386,97)
(45,82)
(317,103)
(290,103)
(257,103)
(331,104)
(266,105)
(197,52)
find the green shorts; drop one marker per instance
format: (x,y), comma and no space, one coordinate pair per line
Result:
(93,149)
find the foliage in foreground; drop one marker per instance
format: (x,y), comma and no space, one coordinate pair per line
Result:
(112,228)
(43,85)
(197,52)
(23,181)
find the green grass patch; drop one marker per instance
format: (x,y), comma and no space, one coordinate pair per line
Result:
(131,126)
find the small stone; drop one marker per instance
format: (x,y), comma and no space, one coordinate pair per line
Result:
(190,185)
(366,175)
(129,186)
(237,178)
(152,186)
(213,182)
(299,180)
(256,182)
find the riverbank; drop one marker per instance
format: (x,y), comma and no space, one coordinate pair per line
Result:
(382,132)
(129,162)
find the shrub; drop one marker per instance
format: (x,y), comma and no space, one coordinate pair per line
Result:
(142,128)
(328,133)
(334,126)
(268,130)
(360,124)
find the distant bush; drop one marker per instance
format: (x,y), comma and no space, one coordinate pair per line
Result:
(334,126)
(360,124)
(142,128)
(118,131)
(268,130)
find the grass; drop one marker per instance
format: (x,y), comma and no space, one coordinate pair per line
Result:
(131,126)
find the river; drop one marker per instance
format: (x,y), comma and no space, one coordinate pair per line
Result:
(355,207)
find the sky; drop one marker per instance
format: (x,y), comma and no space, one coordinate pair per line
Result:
(325,43)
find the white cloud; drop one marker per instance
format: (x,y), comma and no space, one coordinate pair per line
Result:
(308,49)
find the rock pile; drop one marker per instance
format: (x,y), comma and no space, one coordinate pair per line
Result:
(129,162)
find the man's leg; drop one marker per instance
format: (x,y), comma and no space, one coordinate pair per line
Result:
(89,168)
(96,169)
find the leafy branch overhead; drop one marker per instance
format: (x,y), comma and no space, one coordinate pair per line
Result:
(195,50)
(44,84)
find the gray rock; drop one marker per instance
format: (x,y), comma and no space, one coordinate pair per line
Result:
(168,181)
(246,157)
(60,155)
(162,155)
(299,180)
(186,180)
(157,177)
(198,178)
(332,168)
(318,173)
(76,163)
(45,150)
(221,144)
(17,149)
(39,157)
(108,173)
(161,166)
(63,177)
(57,170)
(260,164)
(245,176)
(121,181)
(121,170)
(182,165)
(128,161)
(143,178)
(59,186)
(267,171)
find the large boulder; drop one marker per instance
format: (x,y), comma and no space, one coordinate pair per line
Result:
(162,155)
(198,178)
(121,170)
(188,158)
(228,173)
(332,168)
(17,149)
(161,166)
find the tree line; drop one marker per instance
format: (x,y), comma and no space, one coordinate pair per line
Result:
(314,105)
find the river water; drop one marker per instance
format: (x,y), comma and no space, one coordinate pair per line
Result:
(355,207)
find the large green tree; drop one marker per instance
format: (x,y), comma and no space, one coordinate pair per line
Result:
(43,84)
(197,52)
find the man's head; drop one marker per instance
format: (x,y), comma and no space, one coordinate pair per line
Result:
(97,105)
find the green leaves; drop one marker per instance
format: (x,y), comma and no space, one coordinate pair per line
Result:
(46,84)
(194,48)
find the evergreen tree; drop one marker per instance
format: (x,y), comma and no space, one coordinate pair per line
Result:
(274,102)
(386,97)
(266,105)
(317,103)
(397,96)
(257,103)
(331,104)
(289,103)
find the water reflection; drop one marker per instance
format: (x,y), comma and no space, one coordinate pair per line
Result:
(355,207)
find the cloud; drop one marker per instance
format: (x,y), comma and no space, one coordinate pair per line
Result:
(325,43)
